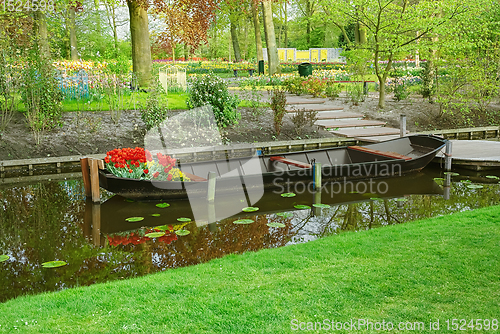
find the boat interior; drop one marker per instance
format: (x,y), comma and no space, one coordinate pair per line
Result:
(404,148)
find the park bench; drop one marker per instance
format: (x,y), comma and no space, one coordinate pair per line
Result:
(250,71)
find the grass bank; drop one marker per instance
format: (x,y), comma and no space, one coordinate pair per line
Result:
(436,269)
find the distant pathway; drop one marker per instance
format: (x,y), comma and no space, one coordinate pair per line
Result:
(334,119)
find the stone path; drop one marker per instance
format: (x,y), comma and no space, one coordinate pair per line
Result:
(341,123)
(334,119)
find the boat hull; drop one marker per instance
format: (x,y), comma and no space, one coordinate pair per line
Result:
(338,165)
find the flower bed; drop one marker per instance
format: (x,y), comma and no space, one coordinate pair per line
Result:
(138,163)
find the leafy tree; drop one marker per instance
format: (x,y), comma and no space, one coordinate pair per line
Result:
(393,26)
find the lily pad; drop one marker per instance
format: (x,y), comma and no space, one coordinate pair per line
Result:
(451,173)
(370,195)
(438,179)
(319,205)
(354,192)
(402,200)
(4,258)
(302,207)
(162,205)
(375,198)
(182,232)
(275,224)
(284,214)
(243,221)
(288,195)
(474,186)
(250,209)
(183,219)
(53,264)
(155,234)
(466,181)
(134,219)
(492,177)
(128,200)
(155,214)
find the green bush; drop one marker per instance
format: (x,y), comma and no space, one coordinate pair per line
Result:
(294,85)
(278,104)
(314,86)
(41,97)
(209,89)
(154,113)
(333,90)
(401,92)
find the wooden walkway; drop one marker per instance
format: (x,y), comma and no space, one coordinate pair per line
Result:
(474,154)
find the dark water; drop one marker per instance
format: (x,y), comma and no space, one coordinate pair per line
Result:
(50,221)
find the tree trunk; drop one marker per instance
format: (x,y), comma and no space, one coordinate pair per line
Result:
(256,25)
(236,43)
(286,26)
(42,34)
(264,25)
(115,33)
(72,34)
(308,24)
(272,50)
(186,52)
(382,77)
(141,50)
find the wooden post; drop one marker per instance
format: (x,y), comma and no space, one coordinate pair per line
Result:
(447,156)
(317,200)
(211,187)
(317,176)
(94,181)
(402,125)
(84,163)
(96,224)
(447,187)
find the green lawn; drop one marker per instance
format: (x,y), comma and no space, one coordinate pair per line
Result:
(129,102)
(436,269)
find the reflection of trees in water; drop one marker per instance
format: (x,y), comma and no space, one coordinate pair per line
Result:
(202,245)
(375,213)
(31,218)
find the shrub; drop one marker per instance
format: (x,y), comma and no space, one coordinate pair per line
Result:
(356,93)
(294,85)
(154,113)
(302,118)
(401,92)
(333,90)
(314,86)
(278,103)
(41,97)
(212,90)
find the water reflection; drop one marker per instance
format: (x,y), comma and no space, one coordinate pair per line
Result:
(52,221)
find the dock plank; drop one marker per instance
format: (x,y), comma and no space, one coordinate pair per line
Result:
(338,115)
(368,132)
(333,123)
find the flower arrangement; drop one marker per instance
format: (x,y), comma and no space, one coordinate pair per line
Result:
(138,163)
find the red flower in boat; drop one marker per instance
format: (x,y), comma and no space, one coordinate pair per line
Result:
(156,174)
(169,177)
(146,171)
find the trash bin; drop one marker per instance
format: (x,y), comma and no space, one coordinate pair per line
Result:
(305,69)
(261,67)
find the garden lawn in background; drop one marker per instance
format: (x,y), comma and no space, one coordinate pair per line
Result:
(440,268)
(175,101)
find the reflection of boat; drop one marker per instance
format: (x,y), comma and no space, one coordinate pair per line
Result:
(391,158)
(114,211)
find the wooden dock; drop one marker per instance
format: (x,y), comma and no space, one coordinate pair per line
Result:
(474,154)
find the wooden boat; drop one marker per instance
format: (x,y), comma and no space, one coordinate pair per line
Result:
(386,159)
